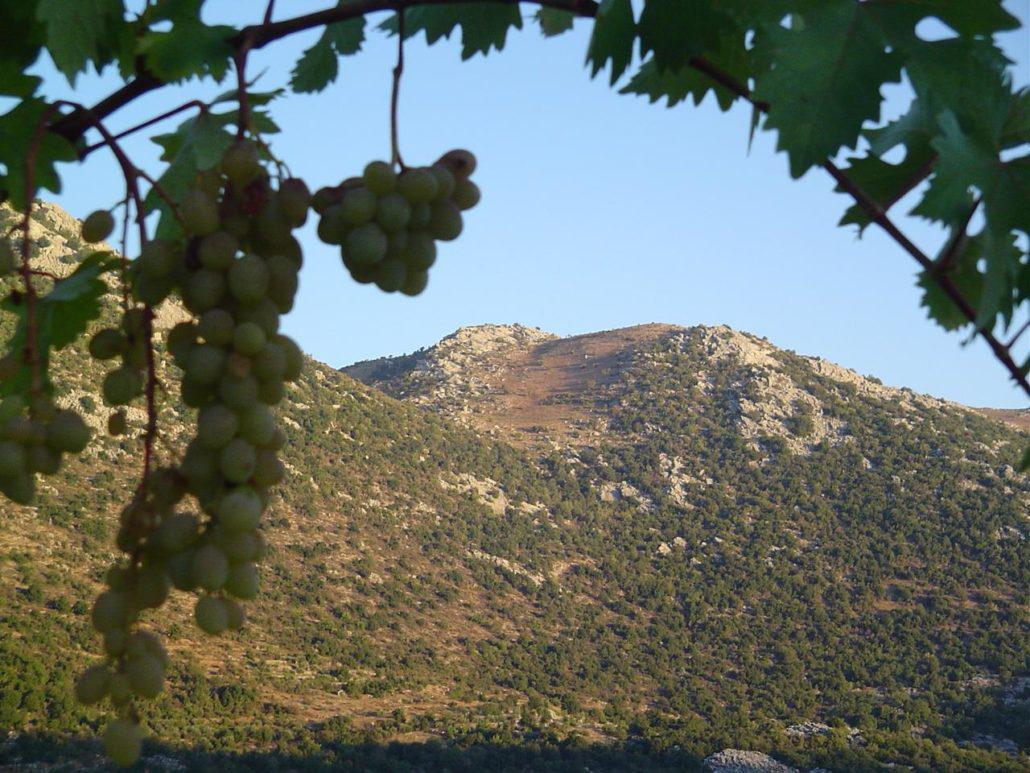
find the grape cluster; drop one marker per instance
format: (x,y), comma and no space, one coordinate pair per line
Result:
(236,270)
(387,224)
(128,344)
(34,436)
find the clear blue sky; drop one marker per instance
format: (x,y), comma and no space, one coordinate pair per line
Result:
(599,211)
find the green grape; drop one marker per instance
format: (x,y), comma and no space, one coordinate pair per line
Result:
(116,423)
(43,459)
(445,222)
(198,463)
(195,394)
(97,226)
(209,181)
(466,194)
(294,199)
(240,510)
(363,274)
(152,290)
(12,458)
(205,364)
(238,545)
(210,567)
(67,432)
(268,470)
(294,357)
(418,186)
(158,258)
(116,577)
(415,281)
(380,178)
(176,532)
(282,282)
(257,425)
(420,251)
(216,426)
(262,546)
(199,213)
(390,276)
(8,260)
(91,686)
(243,582)
(393,212)
(114,642)
(236,460)
(20,489)
(211,615)
(119,690)
(237,365)
(241,162)
(123,741)
(25,431)
(110,611)
(358,206)
(107,344)
(204,290)
(152,586)
(396,244)
(444,180)
(366,244)
(122,385)
(248,279)
(325,198)
(270,363)
(248,338)
(460,162)
(216,326)
(235,221)
(181,339)
(272,228)
(146,675)
(11,407)
(421,214)
(332,227)
(271,392)
(293,252)
(180,571)
(264,313)
(218,250)
(238,393)
(233,614)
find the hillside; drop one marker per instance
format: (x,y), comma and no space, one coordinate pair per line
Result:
(696,542)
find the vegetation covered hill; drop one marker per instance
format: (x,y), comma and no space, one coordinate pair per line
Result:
(693,542)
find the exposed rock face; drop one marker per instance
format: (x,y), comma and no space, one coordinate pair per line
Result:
(738,761)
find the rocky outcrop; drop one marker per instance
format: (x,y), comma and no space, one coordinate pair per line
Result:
(738,761)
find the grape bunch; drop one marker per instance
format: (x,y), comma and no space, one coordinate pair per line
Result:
(236,270)
(387,224)
(128,344)
(34,436)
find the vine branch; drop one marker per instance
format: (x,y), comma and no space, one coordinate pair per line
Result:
(398,71)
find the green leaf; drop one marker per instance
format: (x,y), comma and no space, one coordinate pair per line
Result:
(316,68)
(347,36)
(17,128)
(966,17)
(676,30)
(483,25)
(687,83)
(966,278)
(62,316)
(190,49)
(554,21)
(883,181)
(21,37)
(81,32)
(1016,129)
(612,38)
(824,81)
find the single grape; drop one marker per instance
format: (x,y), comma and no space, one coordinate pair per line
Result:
(390,276)
(241,162)
(366,244)
(12,458)
(180,571)
(418,186)
(294,357)
(110,611)
(97,226)
(20,489)
(181,339)
(444,180)
(282,282)
(248,279)
(236,460)
(91,686)
(238,393)
(158,258)
(176,532)
(150,289)
(393,212)
(294,199)
(67,432)
(218,250)
(116,423)
(264,313)
(272,228)
(146,675)
(271,392)
(119,690)
(380,178)
(240,510)
(204,290)
(415,282)
(238,545)
(466,194)
(324,198)
(199,213)
(460,162)
(107,344)
(445,222)
(270,363)
(420,251)
(233,614)
(216,326)
(114,642)
(43,459)
(216,426)
(205,364)
(122,385)
(210,567)
(248,338)
(257,425)
(268,469)
(243,582)
(361,273)
(211,615)
(152,586)
(358,206)
(123,741)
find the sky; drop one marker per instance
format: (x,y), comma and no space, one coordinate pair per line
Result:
(599,210)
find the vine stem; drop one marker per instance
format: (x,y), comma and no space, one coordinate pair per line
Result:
(146,124)
(398,71)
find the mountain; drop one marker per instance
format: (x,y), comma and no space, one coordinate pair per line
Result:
(622,551)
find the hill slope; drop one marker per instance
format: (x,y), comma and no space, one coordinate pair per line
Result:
(703,572)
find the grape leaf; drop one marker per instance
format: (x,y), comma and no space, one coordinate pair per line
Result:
(983,17)
(347,36)
(190,49)
(883,181)
(554,21)
(17,128)
(81,32)
(824,81)
(612,38)
(318,65)
(21,37)
(1016,129)
(676,30)
(483,25)
(62,315)
(967,279)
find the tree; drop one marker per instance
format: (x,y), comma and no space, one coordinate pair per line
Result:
(812,70)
